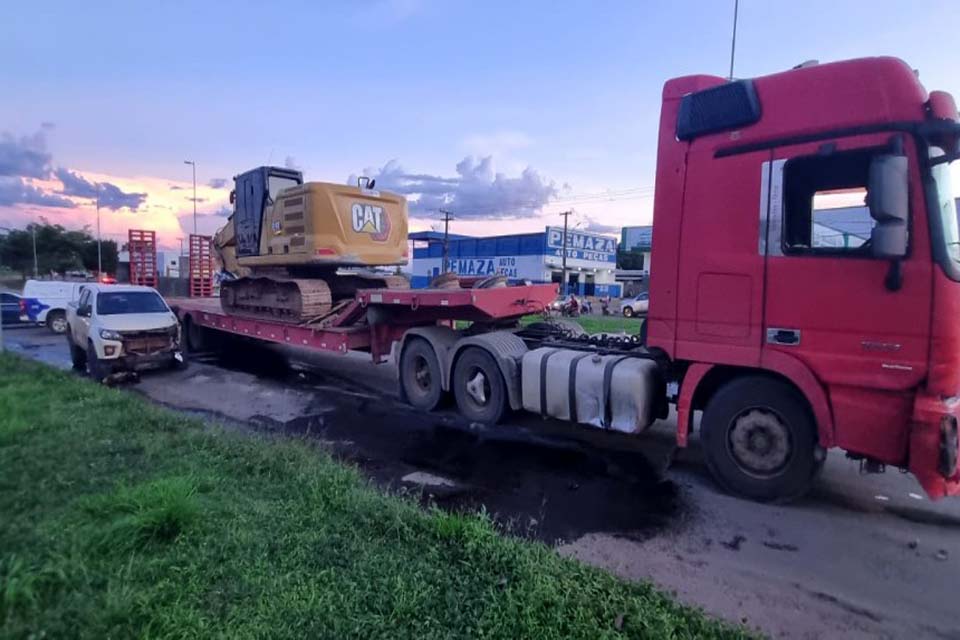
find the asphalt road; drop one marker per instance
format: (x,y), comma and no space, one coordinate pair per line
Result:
(863,556)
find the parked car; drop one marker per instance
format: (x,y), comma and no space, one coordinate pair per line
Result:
(115,328)
(9,307)
(45,302)
(636,305)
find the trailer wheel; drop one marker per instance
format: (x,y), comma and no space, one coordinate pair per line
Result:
(479,387)
(194,335)
(760,440)
(420,376)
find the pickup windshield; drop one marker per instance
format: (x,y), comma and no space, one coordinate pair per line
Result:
(120,302)
(946,205)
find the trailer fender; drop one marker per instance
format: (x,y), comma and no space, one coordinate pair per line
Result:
(507,349)
(441,339)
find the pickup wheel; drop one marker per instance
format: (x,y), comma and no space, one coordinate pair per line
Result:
(420,375)
(479,387)
(628,312)
(96,368)
(57,321)
(760,440)
(78,357)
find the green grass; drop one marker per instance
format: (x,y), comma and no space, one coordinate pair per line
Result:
(120,519)
(598,324)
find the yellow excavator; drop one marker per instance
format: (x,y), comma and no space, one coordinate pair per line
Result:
(295,252)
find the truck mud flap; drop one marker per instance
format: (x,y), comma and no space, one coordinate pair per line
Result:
(949,445)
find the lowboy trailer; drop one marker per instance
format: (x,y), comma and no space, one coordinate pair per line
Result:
(791,334)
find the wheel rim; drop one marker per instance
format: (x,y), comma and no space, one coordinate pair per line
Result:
(59,324)
(628,312)
(478,387)
(759,442)
(421,374)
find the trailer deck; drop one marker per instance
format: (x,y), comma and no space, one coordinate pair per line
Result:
(374,319)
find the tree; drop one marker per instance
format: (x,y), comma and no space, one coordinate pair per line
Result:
(630,260)
(58,250)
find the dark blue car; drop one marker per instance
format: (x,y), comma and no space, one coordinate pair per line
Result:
(10,308)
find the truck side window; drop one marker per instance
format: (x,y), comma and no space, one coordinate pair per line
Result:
(824,203)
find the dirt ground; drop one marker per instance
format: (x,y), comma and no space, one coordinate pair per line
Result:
(864,556)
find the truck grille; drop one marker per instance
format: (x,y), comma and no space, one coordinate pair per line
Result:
(146,342)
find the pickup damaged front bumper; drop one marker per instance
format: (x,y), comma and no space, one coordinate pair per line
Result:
(935,445)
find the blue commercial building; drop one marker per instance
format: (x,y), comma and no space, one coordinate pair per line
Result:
(534,257)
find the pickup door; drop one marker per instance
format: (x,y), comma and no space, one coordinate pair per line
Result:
(80,329)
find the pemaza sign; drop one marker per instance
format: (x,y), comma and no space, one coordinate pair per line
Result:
(582,246)
(506,266)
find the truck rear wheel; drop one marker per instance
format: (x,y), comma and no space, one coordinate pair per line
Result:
(479,387)
(420,375)
(760,440)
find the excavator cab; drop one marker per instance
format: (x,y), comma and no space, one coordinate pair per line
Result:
(254,191)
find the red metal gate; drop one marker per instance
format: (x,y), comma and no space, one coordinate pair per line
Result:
(142,247)
(201,267)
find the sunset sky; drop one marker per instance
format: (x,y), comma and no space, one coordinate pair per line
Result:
(510,112)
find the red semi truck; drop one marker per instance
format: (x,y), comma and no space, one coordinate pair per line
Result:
(789,342)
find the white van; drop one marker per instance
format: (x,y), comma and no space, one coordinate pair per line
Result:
(45,302)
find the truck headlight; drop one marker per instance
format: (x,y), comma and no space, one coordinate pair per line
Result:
(109,334)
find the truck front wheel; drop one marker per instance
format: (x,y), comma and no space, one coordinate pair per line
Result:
(479,387)
(760,440)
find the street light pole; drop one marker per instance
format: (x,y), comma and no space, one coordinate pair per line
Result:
(99,252)
(194,165)
(36,271)
(733,41)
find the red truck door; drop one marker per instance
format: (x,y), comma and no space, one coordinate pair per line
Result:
(827,302)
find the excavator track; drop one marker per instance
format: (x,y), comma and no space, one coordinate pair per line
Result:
(297,300)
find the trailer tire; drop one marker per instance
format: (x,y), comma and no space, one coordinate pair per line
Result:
(759,439)
(420,375)
(194,334)
(479,387)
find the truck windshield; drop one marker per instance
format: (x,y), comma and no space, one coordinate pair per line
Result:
(119,302)
(946,205)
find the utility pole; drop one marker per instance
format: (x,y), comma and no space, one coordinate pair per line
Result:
(99,253)
(36,271)
(733,42)
(566,215)
(447,217)
(194,165)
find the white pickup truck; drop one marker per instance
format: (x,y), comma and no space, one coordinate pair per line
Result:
(114,328)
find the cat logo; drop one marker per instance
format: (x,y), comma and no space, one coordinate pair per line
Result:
(372,219)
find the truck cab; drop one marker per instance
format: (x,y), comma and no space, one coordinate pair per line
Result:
(805,279)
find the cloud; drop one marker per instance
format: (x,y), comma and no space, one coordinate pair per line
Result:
(591,224)
(218,183)
(191,199)
(175,187)
(291,163)
(26,156)
(207,223)
(477,191)
(498,143)
(16,191)
(111,196)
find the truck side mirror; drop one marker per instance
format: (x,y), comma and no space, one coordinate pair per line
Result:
(887,199)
